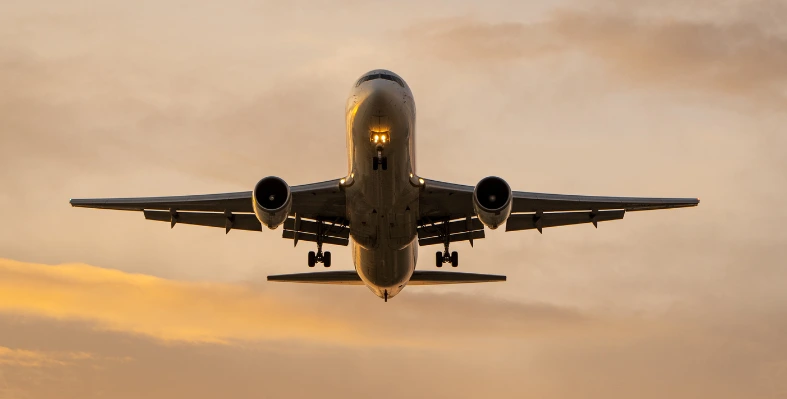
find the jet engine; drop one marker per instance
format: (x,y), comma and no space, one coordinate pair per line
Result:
(492,201)
(272,201)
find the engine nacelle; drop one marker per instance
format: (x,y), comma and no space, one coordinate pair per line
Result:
(492,200)
(272,201)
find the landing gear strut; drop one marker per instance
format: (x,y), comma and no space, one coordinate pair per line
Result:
(446,256)
(320,257)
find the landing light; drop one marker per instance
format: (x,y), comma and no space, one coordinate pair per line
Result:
(379,138)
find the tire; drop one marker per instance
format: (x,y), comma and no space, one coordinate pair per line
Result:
(312,258)
(384,163)
(439,259)
(326,259)
(375,163)
(454,259)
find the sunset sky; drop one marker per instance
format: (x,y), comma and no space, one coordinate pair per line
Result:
(601,97)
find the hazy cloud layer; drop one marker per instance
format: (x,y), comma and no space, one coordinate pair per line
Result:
(224,313)
(740,58)
(78,331)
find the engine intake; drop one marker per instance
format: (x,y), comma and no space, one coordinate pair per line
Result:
(272,201)
(492,201)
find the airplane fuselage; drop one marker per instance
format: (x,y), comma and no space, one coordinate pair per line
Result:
(381,185)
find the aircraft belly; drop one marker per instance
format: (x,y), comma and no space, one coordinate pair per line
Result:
(382,205)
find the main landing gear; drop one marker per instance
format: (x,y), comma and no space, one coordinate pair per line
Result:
(446,256)
(380,160)
(320,257)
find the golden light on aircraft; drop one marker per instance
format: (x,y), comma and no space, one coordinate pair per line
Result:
(380,137)
(380,127)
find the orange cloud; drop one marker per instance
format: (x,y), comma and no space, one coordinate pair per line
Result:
(224,313)
(31,358)
(168,310)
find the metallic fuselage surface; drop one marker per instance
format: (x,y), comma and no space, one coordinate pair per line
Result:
(382,199)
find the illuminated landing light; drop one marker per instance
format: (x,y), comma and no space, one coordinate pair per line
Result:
(411,175)
(379,138)
(420,180)
(341,181)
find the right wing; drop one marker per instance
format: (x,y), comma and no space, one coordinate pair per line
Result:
(323,201)
(451,205)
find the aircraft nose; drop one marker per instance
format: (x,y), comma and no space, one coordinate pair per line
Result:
(381,93)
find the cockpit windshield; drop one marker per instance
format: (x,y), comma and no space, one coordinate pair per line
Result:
(380,76)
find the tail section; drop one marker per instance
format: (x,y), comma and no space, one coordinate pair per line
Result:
(420,277)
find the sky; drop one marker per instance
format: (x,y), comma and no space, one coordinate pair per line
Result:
(598,97)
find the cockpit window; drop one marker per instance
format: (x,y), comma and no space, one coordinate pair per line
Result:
(380,76)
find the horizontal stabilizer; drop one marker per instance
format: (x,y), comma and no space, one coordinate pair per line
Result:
(343,277)
(420,277)
(428,277)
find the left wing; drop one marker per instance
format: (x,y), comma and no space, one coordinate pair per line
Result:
(318,201)
(443,202)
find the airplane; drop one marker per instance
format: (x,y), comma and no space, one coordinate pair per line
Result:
(382,207)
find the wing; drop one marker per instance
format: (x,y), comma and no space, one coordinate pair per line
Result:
(442,202)
(323,201)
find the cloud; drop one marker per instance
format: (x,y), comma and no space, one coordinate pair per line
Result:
(33,358)
(225,313)
(665,355)
(735,57)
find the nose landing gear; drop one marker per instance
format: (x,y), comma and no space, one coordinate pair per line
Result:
(380,160)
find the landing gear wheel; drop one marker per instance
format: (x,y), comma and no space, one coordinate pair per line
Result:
(312,258)
(326,259)
(454,259)
(439,259)
(384,163)
(375,163)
